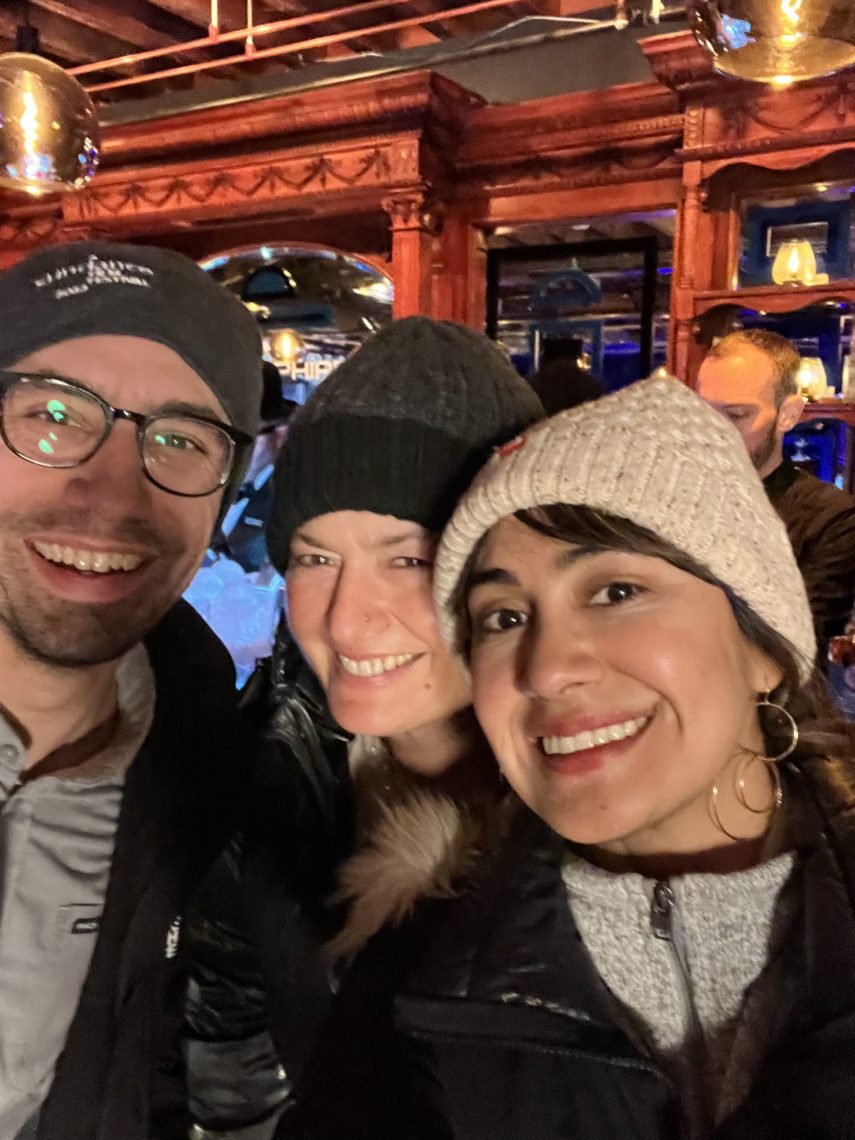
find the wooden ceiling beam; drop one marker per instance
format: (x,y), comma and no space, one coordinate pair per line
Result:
(567,7)
(68,41)
(195,12)
(101,17)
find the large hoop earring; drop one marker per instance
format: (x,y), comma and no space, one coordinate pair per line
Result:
(771,763)
(773,809)
(765,703)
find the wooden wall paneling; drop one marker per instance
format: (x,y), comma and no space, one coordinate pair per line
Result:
(460,291)
(414,225)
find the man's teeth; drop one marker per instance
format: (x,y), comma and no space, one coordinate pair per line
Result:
(96,561)
(374,666)
(608,734)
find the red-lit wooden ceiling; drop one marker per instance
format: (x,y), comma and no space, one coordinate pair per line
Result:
(79,32)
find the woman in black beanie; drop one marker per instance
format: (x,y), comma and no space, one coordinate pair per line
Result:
(375,737)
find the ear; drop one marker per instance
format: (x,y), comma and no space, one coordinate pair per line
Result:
(764,674)
(790,413)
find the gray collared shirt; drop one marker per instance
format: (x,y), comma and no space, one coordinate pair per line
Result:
(56,847)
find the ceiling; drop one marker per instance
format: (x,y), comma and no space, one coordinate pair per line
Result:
(84,32)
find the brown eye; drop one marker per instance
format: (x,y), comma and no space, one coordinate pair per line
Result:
(616,593)
(500,621)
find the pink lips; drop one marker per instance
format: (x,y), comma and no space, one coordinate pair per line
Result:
(596,756)
(75,586)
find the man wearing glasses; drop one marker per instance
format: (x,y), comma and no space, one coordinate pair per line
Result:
(129,390)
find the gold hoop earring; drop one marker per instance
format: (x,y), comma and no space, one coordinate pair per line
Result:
(739,781)
(765,703)
(773,809)
(771,763)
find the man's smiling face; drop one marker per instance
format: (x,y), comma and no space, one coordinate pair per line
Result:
(133,547)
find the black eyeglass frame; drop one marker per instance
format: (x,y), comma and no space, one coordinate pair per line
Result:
(238,440)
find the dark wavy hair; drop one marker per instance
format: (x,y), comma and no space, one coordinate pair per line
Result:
(822,731)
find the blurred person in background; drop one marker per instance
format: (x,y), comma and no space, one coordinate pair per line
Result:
(563,380)
(750,377)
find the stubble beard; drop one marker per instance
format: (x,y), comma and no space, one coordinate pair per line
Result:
(764,450)
(69,634)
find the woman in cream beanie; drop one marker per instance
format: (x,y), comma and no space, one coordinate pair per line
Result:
(662,944)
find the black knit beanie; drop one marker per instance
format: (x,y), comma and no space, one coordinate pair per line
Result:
(400,428)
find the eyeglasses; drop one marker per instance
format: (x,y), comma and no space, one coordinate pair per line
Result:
(56,423)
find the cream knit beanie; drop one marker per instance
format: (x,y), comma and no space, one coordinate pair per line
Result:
(656,454)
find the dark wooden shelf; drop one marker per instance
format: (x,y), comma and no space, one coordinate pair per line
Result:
(830,409)
(775,298)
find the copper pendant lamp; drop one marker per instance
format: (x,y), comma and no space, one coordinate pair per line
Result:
(49,134)
(776,41)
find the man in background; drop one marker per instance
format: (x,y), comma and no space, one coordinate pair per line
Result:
(243,529)
(750,377)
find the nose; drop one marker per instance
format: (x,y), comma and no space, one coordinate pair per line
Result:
(113,474)
(358,607)
(555,657)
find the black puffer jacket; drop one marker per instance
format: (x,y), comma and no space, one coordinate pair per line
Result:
(820,522)
(485,1019)
(259,982)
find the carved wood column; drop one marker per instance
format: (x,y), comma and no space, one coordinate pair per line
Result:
(413,229)
(692,265)
(460,289)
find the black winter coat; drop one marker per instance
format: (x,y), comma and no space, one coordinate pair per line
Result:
(484,1018)
(120,1075)
(820,522)
(260,984)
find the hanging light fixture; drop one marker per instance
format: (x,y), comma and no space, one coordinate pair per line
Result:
(776,41)
(49,134)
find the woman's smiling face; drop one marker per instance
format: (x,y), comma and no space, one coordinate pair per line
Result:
(361,609)
(614,688)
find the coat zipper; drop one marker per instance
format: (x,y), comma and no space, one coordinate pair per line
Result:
(665,921)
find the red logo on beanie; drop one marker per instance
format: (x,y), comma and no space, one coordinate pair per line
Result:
(512,445)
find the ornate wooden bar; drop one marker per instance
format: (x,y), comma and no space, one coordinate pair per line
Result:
(414,171)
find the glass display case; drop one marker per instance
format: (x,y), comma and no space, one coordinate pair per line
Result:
(601,302)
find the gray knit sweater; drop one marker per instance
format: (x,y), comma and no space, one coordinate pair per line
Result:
(685,960)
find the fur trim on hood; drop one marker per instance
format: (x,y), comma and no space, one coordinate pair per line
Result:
(418,838)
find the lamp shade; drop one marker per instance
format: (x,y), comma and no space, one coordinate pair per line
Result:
(812,378)
(49,135)
(776,41)
(795,264)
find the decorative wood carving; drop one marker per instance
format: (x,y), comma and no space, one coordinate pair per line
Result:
(381,106)
(214,190)
(414,208)
(581,139)
(751,123)
(414,217)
